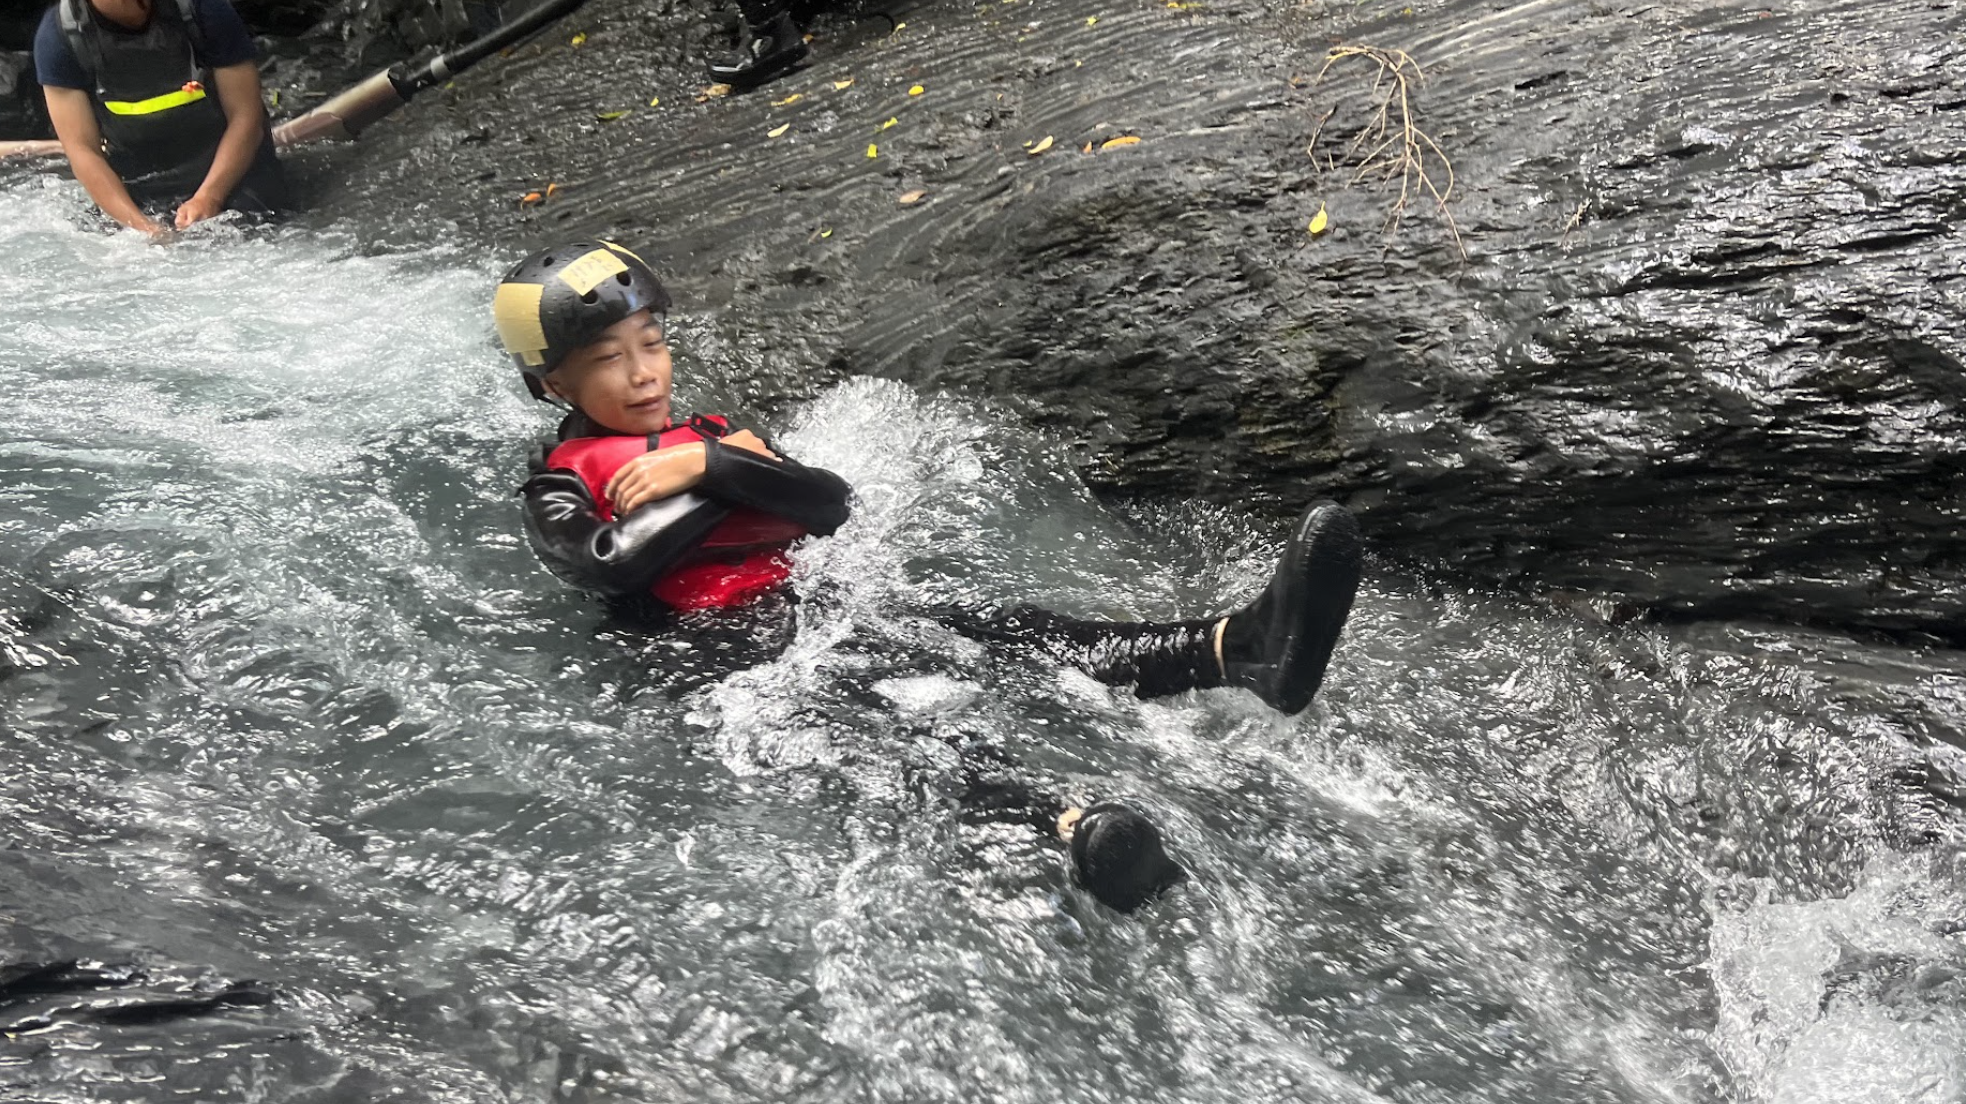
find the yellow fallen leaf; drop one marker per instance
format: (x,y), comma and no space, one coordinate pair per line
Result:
(1087,148)
(1320,222)
(826,233)
(777,131)
(908,198)
(717,90)
(1041,146)
(610,116)
(791,99)
(839,84)
(655,101)
(900,26)
(1122,140)
(1091,20)
(550,189)
(873,150)
(891,120)
(916,90)
(580,39)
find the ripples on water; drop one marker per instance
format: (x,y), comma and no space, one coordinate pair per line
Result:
(287,698)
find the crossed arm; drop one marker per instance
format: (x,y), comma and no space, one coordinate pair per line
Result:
(666,502)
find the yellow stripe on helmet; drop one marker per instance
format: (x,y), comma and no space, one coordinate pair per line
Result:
(585,274)
(515,311)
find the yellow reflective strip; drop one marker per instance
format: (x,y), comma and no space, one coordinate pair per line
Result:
(155,104)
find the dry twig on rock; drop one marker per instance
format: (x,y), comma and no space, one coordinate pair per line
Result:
(1392,145)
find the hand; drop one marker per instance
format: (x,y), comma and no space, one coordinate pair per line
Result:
(197,209)
(655,475)
(749,442)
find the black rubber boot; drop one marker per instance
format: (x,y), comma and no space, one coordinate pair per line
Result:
(1279,644)
(1119,857)
(1156,659)
(769,46)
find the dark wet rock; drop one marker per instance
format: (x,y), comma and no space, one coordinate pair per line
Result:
(21,110)
(380,32)
(284,17)
(17,26)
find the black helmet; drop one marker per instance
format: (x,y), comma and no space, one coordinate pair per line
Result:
(561,298)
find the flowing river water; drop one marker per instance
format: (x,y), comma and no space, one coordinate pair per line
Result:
(285,698)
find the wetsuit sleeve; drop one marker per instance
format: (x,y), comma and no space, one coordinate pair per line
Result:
(621,558)
(227,40)
(996,791)
(55,65)
(812,497)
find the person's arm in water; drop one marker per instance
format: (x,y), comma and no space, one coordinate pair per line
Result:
(245,126)
(81,140)
(739,470)
(619,558)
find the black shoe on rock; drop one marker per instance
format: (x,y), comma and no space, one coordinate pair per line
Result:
(763,54)
(1279,645)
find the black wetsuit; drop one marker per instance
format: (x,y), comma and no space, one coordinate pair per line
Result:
(622,558)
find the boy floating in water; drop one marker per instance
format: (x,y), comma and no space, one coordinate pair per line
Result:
(700,513)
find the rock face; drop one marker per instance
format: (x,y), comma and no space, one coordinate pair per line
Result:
(17,26)
(1701,353)
(379,32)
(284,17)
(21,111)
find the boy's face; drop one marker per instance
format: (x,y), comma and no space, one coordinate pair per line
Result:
(620,379)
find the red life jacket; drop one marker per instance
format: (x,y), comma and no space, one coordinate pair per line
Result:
(741,560)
